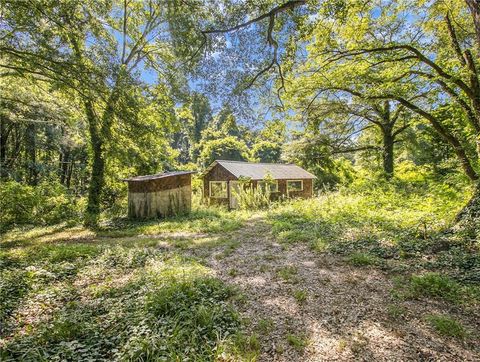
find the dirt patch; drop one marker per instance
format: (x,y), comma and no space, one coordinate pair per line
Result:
(305,306)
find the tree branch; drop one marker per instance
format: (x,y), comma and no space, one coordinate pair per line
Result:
(289,5)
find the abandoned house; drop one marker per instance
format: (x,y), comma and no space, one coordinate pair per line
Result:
(160,195)
(221,178)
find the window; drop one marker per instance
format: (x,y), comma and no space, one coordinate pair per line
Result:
(272,185)
(295,185)
(218,189)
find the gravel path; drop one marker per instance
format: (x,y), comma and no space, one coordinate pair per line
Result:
(309,307)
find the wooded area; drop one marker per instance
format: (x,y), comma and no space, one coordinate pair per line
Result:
(378,99)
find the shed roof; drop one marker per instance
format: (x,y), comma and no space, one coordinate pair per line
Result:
(258,171)
(157,176)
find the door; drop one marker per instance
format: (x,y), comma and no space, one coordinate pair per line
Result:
(234,189)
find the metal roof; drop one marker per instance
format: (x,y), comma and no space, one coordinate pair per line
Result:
(258,171)
(157,176)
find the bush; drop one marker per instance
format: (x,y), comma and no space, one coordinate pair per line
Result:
(47,203)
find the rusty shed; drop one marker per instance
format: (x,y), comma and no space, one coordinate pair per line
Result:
(160,195)
(222,177)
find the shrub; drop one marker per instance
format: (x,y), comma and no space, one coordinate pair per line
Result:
(47,203)
(250,198)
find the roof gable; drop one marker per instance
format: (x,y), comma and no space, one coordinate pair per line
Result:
(258,171)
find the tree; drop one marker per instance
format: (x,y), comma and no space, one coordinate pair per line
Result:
(94,51)
(269,142)
(223,139)
(34,136)
(418,54)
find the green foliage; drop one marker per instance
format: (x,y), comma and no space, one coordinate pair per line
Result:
(47,203)
(223,148)
(223,140)
(436,285)
(300,296)
(155,306)
(252,198)
(447,326)
(298,342)
(268,144)
(362,259)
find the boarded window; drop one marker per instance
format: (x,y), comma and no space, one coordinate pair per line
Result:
(272,186)
(294,185)
(218,189)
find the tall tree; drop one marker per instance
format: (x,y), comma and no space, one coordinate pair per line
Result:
(95,50)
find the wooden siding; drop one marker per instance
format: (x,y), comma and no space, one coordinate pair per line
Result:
(160,197)
(219,173)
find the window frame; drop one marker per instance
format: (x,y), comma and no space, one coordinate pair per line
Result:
(210,189)
(268,183)
(301,183)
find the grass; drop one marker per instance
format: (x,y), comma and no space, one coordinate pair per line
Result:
(265,325)
(288,274)
(384,221)
(447,326)
(397,227)
(396,312)
(362,259)
(298,341)
(300,296)
(125,292)
(433,285)
(118,298)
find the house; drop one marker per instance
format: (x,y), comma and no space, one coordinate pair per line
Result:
(221,178)
(160,195)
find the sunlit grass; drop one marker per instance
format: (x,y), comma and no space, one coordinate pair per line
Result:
(380,221)
(119,293)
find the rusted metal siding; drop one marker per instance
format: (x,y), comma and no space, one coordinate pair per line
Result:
(160,197)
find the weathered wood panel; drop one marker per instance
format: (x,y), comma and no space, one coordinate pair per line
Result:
(217,173)
(161,197)
(145,205)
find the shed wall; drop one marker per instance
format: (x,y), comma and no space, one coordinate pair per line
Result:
(161,197)
(217,173)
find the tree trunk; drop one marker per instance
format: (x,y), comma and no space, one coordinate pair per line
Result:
(92,212)
(3,148)
(64,165)
(387,151)
(31,153)
(68,180)
(100,133)
(96,184)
